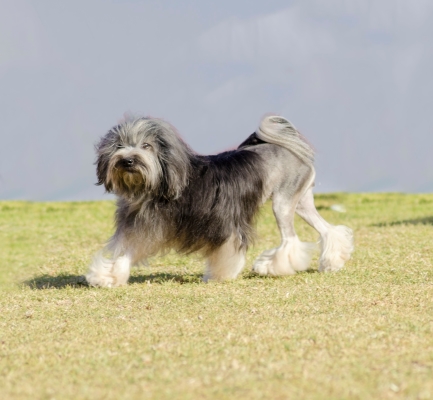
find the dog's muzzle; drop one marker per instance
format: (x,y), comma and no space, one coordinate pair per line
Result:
(127,163)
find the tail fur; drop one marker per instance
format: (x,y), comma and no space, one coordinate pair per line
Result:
(278,130)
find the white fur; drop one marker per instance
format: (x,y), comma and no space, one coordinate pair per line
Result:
(278,130)
(336,241)
(225,263)
(337,246)
(292,256)
(105,272)
(285,170)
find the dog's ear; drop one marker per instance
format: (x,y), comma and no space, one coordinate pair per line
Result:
(102,165)
(101,172)
(174,159)
(175,165)
(173,180)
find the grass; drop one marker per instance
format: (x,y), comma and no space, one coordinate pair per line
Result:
(364,332)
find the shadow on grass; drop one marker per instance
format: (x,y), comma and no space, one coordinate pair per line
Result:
(45,282)
(416,221)
(161,278)
(253,275)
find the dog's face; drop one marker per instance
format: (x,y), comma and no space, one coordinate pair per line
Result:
(143,157)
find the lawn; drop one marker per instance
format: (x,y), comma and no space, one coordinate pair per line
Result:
(364,332)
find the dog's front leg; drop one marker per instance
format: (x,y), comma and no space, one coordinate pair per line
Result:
(106,272)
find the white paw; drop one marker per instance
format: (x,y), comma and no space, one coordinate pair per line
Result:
(331,265)
(104,272)
(334,261)
(264,263)
(300,255)
(99,280)
(337,249)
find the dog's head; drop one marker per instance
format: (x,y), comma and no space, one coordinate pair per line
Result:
(143,157)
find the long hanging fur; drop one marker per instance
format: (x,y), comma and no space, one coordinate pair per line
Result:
(176,198)
(172,198)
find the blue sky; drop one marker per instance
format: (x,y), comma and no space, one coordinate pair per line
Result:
(353,75)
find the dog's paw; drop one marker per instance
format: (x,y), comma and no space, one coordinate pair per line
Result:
(264,263)
(276,262)
(334,263)
(99,280)
(337,249)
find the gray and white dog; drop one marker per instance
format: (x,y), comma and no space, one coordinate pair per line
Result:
(171,198)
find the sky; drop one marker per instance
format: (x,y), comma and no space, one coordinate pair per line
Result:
(354,76)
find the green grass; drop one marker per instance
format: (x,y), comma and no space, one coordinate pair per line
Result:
(364,332)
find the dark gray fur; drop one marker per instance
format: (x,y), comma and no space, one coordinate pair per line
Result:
(198,202)
(172,198)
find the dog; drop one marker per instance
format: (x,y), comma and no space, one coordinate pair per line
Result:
(169,197)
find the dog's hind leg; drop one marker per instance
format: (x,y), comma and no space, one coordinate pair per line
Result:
(225,262)
(105,272)
(292,255)
(336,241)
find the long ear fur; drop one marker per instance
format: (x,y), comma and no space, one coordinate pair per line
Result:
(103,151)
(174,157)
(101,172)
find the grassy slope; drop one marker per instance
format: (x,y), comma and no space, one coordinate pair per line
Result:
(365,332)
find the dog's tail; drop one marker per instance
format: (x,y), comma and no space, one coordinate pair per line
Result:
(278,130)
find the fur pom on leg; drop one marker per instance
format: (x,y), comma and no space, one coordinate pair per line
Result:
(104,272)
(287,259)
(264,264)
(225,263)
(121,270)
(99,273)
(301,253)
(337,246)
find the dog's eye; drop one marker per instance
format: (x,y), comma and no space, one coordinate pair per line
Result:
(145,145)
(120,146)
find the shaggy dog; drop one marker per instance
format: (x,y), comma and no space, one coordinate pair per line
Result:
(171,198)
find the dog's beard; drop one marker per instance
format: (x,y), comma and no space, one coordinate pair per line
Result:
(130,181)
(143,178)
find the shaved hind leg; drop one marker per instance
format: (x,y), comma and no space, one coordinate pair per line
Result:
(336,241)
(292,255)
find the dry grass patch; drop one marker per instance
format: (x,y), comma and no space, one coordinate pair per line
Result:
(365,332)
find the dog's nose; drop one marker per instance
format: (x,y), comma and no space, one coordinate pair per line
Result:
(127,162)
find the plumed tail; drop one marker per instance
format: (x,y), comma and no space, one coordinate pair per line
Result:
(278,130)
